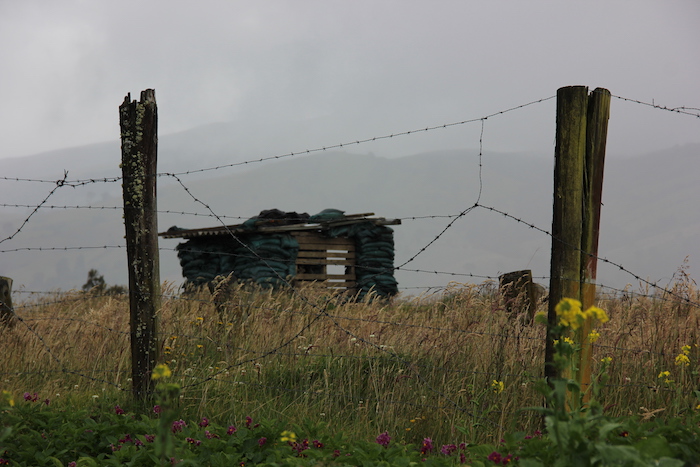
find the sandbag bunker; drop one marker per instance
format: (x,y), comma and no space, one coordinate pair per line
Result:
(353,253)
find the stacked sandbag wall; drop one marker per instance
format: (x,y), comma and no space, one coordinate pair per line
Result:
(270,261)
(204,258)
(267,260)
(374,257)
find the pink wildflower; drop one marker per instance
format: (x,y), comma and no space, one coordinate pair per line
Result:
(427,446)
(196,442)
(384,439)
(178,425)
(448,449)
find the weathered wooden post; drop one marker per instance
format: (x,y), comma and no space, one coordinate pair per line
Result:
(139,136)
(519,294)
(596,138)
(582,122)
(569,158)
(7,317)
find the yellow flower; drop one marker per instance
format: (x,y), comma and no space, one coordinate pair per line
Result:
(569,340)
(497,386)
(569,313)
(685,349)
(7,397)
(161,371)
(682,359)
(606,359)
(597,313)
(664,374)
(593,336)
(288,436)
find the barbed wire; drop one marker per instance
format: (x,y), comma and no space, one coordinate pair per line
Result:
(679,110)
(321,312)
(59,184)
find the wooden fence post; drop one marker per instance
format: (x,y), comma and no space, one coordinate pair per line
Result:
(7,317)
(596,137)
(569,158)
(582,122)
(519,294)
(139,136)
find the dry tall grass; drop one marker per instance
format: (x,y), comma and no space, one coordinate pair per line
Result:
(419,367)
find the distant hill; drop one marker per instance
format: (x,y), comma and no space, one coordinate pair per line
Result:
(647,222)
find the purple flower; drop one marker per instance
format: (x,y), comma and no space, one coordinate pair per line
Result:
(31,397)
(72,464)
(317,444)
(150,438)
(384,439)
(178,425)
(47,401)
(196,442)
(262,441)
(495,457)
(156,409)
(231,430)
(204,422)
(448,449)
(427,446)
(118,410)
(301,446)
(462,458)
(248,421)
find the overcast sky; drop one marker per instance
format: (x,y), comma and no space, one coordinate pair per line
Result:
(363,67)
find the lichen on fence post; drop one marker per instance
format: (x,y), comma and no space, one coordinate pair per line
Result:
(139,137)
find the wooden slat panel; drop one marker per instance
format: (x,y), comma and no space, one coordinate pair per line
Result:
(324,254)
(321,243)
(329,261)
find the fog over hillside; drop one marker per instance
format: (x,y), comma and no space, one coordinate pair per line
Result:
(647,221)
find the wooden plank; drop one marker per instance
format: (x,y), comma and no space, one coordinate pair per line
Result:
(325,254)
(318,240)
(319,247)
(326,261)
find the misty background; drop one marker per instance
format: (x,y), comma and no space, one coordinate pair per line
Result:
(244,81)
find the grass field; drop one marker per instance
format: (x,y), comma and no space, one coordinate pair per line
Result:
(430,366)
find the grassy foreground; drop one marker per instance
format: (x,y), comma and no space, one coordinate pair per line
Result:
(454,370)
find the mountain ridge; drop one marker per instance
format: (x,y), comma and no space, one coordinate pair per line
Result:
(647,223)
